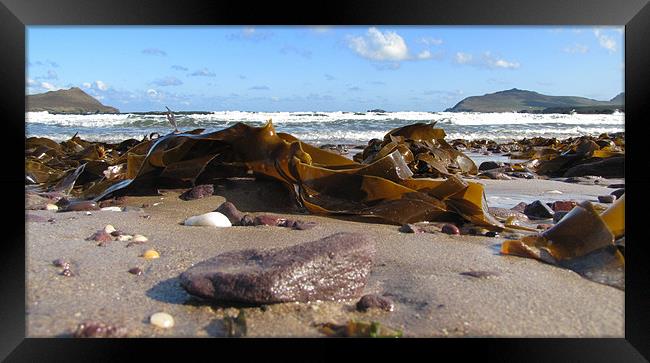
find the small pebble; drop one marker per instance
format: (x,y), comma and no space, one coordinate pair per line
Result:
(136,271)
(139,238)
(124,237)
(100,236)
(606,198)
(450,229)
(492,234)
(109,229)
(51,207)
(146,216)
(409,228)
(374,301)
(554,192)
(478,231)
(111,209)
(162,320)
(150,254)
(59,262)
(66,272)
(618,193)
(89,214)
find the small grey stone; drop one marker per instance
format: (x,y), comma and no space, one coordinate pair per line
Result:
(606,198)
(538,210)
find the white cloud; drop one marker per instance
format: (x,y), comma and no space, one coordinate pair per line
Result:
(487,60)
(101,85)
(576,48)
(250,33)
(203,73)
(430,41)
(48,86)
(86,85)
(425,54)
(31,82)
(463,58)
(605,41)
(375,45)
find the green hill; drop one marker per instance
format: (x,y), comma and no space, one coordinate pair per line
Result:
(516,100)
(72,100)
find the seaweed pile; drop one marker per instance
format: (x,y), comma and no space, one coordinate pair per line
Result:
(382,185)
(577,156)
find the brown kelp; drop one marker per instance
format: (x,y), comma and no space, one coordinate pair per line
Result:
(382,185)
(583,241)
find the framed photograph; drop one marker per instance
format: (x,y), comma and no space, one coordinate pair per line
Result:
(366,170)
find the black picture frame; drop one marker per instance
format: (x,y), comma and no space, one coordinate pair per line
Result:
(15,15)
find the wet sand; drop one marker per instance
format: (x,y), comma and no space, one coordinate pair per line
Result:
(421,273)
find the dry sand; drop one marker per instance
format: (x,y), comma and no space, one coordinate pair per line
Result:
(421,273)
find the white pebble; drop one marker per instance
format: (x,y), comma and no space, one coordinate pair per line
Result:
(51,207)
(89,214)
(124,238)
(554,192)
(213,219)
(155,204)
(162,320)
(112,209)
(139,238)
(109,229)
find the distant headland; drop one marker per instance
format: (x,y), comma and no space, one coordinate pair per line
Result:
(516,100)
(72,101)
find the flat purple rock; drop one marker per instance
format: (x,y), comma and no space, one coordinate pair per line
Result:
(332,268)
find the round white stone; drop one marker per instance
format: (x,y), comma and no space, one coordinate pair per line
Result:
(109,229)
(124,238)
(139,238)
(212,219)
(51,207)
(162,320)
(112,209)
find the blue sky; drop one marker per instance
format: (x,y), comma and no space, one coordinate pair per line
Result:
(261,68)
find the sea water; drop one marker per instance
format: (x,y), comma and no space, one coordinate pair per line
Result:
(320,128)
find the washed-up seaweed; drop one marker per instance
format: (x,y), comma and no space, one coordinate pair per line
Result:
(576,156)
(583,241)
(382,185)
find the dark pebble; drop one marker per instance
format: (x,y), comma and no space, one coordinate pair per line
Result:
(606,198)
(136,271)
(489,165)
(538,210)
(409,228)
(318,270)
(198,192)
(51,220)
(374,302)
(492,234)
(450,229)
(480,274)
(544,226)
(146,216)
(116,233)
(618,193)
(59,262)
(522,175)
(229,210)
(145,205)
(89,329)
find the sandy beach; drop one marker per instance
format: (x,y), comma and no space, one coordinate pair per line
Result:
(421,273)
